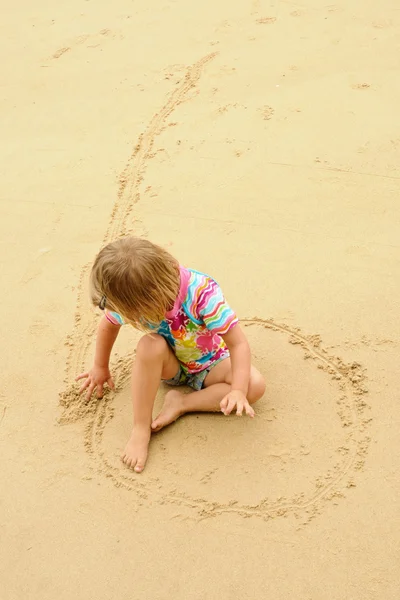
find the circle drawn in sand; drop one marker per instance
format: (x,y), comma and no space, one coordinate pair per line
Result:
(346,458)
(345,438)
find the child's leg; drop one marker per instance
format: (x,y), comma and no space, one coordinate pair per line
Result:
(217,385)
(154,361)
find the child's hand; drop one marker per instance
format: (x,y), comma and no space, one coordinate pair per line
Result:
(95,379)
(237,399)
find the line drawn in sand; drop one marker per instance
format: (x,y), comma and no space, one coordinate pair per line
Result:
(350,379)
(128,195)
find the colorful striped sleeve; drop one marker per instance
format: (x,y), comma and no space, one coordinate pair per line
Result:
(214,309)
(114,317)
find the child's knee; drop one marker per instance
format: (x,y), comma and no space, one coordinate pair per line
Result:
(256,388)
(151,346)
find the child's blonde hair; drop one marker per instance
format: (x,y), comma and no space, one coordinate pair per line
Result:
(136,279)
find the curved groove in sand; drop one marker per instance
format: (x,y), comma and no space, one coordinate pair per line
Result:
(331,484)
(97,414)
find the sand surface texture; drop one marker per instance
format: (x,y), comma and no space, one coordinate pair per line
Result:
(259,142)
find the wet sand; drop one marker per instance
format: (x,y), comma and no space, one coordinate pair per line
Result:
(259,143)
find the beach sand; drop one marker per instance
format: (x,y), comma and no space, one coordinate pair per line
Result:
(258,142)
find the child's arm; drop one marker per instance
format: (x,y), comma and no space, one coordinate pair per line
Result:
(100,374)
(107,333)
(239,350)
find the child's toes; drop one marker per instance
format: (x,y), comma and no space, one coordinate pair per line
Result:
(140,465)
(128,461)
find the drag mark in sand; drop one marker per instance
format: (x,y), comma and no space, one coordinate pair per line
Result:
(79,342)
(330,485)
(133,174)
(337,478)
(3,415)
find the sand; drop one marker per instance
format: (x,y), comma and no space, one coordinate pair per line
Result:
(258,142)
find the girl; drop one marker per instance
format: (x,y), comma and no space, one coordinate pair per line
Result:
(193,338)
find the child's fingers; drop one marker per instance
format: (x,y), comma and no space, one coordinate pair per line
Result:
(249,410)
(239,410)
(81,376)
(230,407)
(90,391)
(110,383)
(84,386)
(223,404)
(100,390)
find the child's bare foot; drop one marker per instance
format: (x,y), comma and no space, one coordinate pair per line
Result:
(172,409)
(136,450)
